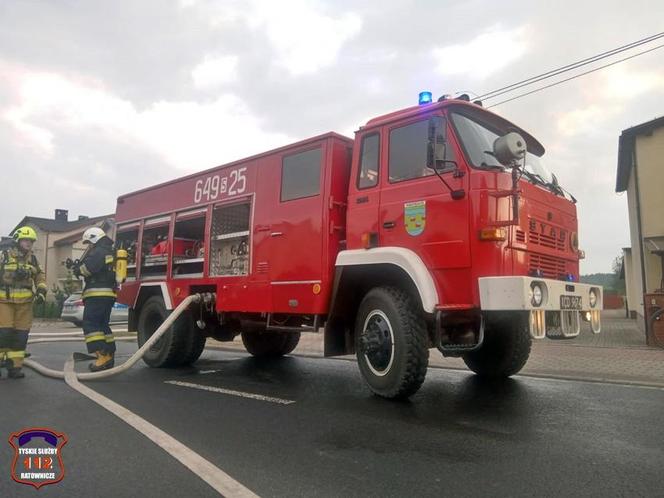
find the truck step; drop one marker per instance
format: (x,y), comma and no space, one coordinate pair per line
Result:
(457,349)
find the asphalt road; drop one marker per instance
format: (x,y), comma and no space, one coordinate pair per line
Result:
(458,436)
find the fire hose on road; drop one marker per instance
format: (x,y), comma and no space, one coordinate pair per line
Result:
(60,374)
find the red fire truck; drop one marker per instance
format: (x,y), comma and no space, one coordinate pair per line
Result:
(437,227)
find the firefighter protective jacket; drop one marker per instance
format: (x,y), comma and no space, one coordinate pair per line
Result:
(97,267)
(19,272)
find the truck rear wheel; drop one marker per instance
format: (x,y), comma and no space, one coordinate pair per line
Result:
(270,344)
(180,345)
(194,342)
(505,350)
(391,343)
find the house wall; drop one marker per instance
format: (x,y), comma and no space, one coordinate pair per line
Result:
(650,164)
(650,172)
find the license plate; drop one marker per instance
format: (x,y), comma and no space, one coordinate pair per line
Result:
(570,302)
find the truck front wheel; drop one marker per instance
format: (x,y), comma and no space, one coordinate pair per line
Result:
(270,344)
(505,349)
(391,343)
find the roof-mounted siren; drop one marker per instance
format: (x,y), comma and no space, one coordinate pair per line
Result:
(425,98)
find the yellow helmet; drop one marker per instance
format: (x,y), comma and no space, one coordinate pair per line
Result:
(25,232)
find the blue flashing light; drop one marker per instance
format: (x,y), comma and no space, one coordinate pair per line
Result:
(570,277)
(425,98)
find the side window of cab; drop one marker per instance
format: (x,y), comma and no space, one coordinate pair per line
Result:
(408,151)
(367,175)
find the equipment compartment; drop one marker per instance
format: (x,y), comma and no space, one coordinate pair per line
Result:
(229,246)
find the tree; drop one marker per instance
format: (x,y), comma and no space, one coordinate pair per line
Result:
(617,267)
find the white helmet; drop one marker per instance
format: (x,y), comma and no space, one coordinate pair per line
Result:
(93,235)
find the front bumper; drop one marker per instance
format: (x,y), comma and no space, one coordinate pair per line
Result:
(563,304)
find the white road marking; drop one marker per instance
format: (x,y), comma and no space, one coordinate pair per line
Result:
(203,372)
(221,482)
(221,390)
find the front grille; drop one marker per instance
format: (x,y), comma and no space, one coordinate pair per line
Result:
(520,236)
(546,266)
(544,240)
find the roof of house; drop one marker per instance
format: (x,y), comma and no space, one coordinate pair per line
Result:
(626,145)
(51,225)
(76,236)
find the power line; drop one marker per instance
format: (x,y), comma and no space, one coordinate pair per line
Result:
(575,76)
(569,67)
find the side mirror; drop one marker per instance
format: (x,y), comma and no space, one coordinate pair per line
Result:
(436,144)
(509,149)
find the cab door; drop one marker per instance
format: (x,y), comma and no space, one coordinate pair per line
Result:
(364,191)
(418,210)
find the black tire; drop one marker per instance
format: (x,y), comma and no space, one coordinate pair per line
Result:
(391,343)
(179,345)
(505,350)
(194,343)
(270,344)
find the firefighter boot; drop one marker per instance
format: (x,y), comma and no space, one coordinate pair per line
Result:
(104,361)
(15,368)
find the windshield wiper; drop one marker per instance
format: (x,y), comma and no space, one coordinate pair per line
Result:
(538,180)
(554,187)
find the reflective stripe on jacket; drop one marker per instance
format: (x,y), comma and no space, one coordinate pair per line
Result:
(98,292)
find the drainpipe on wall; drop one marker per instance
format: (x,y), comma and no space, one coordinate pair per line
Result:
(640,233)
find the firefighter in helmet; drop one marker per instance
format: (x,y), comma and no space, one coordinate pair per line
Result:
(97,269)
(20,274)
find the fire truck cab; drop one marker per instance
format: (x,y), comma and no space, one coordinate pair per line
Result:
(437,227)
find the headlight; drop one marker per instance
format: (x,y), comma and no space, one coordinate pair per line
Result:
(574,242)
(536,295)
(592,298)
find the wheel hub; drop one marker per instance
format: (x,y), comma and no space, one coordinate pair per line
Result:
(377,343)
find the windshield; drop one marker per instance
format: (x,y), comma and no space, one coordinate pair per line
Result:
(478,141)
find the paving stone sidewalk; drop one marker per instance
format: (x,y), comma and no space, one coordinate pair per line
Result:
(618,354)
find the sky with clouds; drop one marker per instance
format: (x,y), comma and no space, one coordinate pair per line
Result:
(102,98)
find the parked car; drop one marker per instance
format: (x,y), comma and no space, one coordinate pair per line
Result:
(72,311)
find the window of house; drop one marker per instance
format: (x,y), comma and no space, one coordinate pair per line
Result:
(408,152)
(300,175)
(369,155)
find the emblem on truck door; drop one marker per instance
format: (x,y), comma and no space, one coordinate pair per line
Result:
(414,217)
